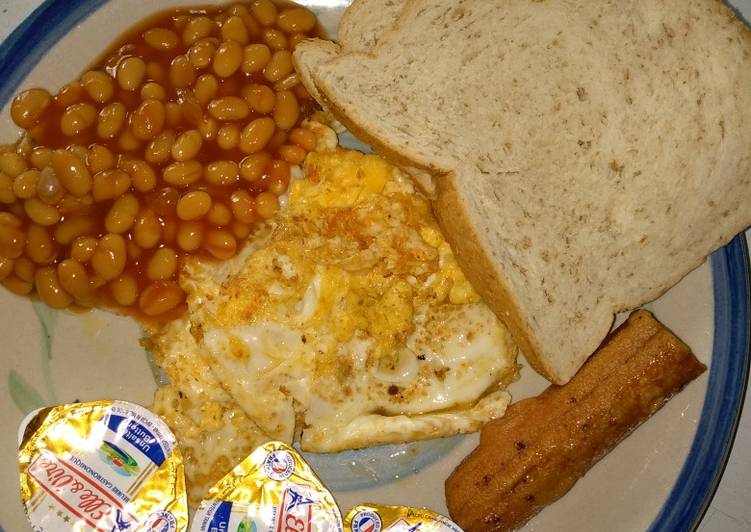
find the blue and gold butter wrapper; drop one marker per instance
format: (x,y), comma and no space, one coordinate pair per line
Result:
(272,490)
(103,465)
(375,518)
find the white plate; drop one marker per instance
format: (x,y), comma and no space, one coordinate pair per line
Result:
(663,476)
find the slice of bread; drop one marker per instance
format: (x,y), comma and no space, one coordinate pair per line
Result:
(361,25)
(588,155)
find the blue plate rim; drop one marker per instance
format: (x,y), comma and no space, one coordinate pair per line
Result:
(701,473)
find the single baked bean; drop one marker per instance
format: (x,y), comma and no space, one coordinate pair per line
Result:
(29,106)
(256,135)
(159,150)
(301,92)
(124,290)
(255,57)
(279,66)
(287,83)
(6,267)
(110,184)
(222,173)
(191,111)
(228,137)
(219,214)
(77,118)
(205,88)
(24,269)
(99,158)
(304,138)
(70,204)
(279,171)
(18,286)
(69,94)
(208,127)
(25,184)
(254,166)
(12,241)
(228,58)
(264,11)
(193,205)
(162,265)
(220,243)
(292,154)
(72,172)
(40,156)
(133,250)
(240,230)
(164,201)
(275,39)
(260,98)
(190,235)
(82,248)
(12,164)
(74,226)
(187,145)
(130,73)
(108,260)
(169,230)
(99,85)
(295,20)
(161,39)
(229,108)
(142,175)
(39,245)
(74,279)
(202,53)
(234,29)
(49,289)
(147,230)
(266,205)
(156,72)
(160,297)
(6,189)
(174,113)
(49,188)
(148,120)
(181,73)
(286,110)
(111,120)
(40,212)
(153,91)
(197,28)
(243,206)
(279,138)
(122,215)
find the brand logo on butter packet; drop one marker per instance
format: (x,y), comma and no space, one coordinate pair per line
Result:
(120,461)
(366,521)
(279,465)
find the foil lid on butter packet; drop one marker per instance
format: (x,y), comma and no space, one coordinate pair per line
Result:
(103,465)
(377,518)
(273,489)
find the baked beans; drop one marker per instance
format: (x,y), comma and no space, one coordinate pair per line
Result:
(178,141)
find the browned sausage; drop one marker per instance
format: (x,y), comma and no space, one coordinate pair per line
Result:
(536,453)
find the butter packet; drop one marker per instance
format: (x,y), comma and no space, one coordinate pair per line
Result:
(273,489)
(375,518)
(103,465)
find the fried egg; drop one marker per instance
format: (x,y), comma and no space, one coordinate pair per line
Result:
(348,323)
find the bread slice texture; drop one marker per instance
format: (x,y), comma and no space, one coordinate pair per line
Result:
(589,154)
(364,21)
(361,25)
